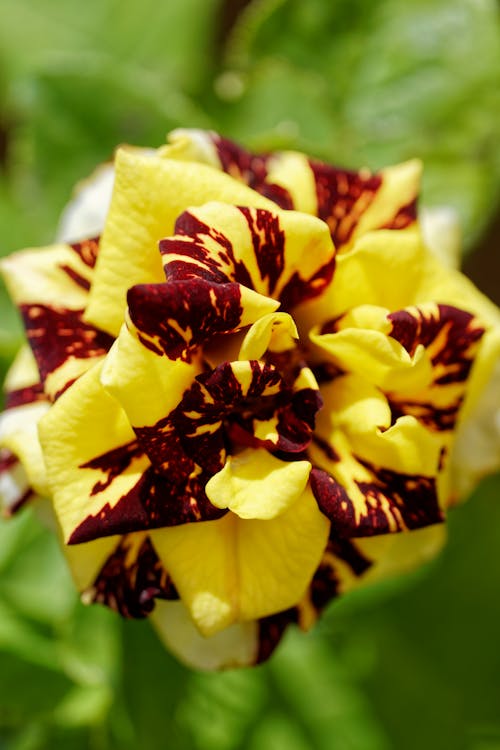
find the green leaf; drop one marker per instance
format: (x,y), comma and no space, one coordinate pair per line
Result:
(387,81)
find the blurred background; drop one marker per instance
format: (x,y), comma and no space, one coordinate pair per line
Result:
(413,663)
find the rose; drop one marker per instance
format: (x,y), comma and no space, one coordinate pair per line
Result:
(247,391)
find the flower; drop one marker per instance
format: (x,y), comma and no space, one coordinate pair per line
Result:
(243,397)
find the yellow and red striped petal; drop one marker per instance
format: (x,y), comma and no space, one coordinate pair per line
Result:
(351,203)
(420,356)
(89,470)
(50,287)
(150,193)
(286,255)
(175,318)
(131,578)
(372,476)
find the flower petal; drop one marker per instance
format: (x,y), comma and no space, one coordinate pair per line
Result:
(360,342)
(255,484)
(285,255)
(234,570)
(235,646)
(174,318)
(89,470)
(351,203)
(275,332)
(372,478)
(150,193)
(50,286)
(131,579)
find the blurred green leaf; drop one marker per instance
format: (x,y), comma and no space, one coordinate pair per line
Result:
(386,82)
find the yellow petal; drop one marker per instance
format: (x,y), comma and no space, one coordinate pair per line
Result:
(397,554)
(400,187)
(234,570)
(255,484)
(150,192)
(18,433)
(46,276)
(277,249)
(23,372)
(371,353)
(235,646)
(291,171)
(275,332)
(148,386)
(72,436)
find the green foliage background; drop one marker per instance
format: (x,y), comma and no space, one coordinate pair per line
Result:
(409,664)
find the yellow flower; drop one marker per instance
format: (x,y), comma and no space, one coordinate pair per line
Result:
(245,393)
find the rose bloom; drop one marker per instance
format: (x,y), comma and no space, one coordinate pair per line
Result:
(250,388)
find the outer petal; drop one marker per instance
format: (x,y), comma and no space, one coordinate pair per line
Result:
(476,450)
(50,286)
(350,564)
(234,570)
(150,193)
(86,213)
(90,470)
(22,467)
(130,578)
(235,646)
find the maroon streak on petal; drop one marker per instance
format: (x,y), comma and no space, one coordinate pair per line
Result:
(459,328)
(175,317)
(412,502)
(451,337)
(87,250)
(113,463)
(343,196)
(298,290)
(80,280)
(23,396)
(271,630)
(405,217)
(56,334)
(268,239)
(7,460)
(251,169)
(327,449)
(202,259)
(157,499)
(333,501)
(153,502)
(131,579)
(437,418)
(325,583)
